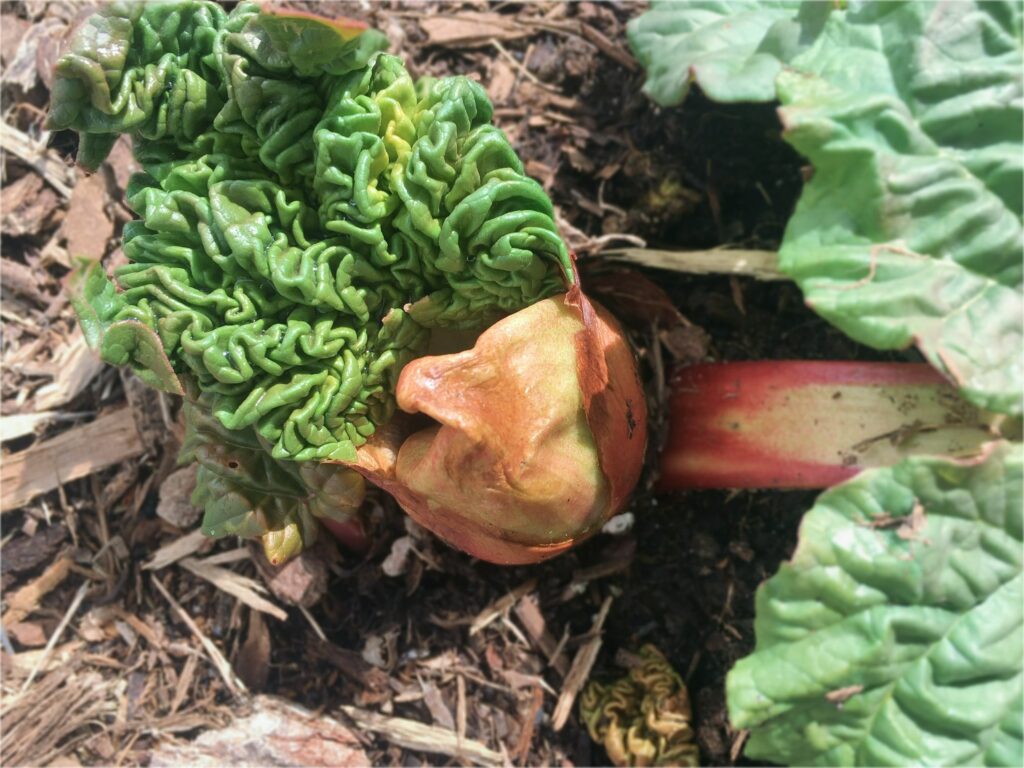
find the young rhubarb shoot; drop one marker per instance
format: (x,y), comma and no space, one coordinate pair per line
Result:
(809,424)
(309,218)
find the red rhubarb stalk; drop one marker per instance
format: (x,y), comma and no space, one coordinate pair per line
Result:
(808,424)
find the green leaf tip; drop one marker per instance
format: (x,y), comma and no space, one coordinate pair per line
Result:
(300,193)
(894,634)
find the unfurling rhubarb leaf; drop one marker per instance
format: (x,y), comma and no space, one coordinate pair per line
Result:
(894,635)
(308,214)
(644,717)
(910,230)
(540,434)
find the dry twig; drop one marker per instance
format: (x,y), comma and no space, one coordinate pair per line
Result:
(227,674)
(580,670)
(410,734)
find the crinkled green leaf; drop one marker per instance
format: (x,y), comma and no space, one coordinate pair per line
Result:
(128,342)
(243,491)
(910,230)
(94,298)
(894,636)
(732,50)
(307,212)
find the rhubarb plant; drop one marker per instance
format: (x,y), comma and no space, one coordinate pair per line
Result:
(894,636)
(311,221)
(909,231)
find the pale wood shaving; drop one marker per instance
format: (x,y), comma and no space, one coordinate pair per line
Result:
(171,553)
(45,161)
(529,615)
(21,424)
(580,670)
(185,679)
(76,453)
(469,29)
(410,734)
(274,732)
(23,663)
(235,584)
(499,606)
(76,602)
(74,366)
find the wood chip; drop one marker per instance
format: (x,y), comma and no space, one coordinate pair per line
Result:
(28,552)
(351,664)
(253,661)
(607,47)
(45,161)
(76,453)
(72,609)
(188,674)
(460,709)
(28,207)
(170,553)
(410,734)
(87,228)
(610,567)
(466,30)
(175,505)
(21,424)
(529,718)
(579,673)
(29,634)
(235,584)
(499,606)
(25,600)
(737,745)
(23,663)
(301,581)
(439,711)
(122,162)
(529,615)
(501,82)
(15,28)
(74,367)
(276,732)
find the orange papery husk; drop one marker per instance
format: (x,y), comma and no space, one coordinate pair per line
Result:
(538,437)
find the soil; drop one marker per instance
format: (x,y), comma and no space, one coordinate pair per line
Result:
(683,577)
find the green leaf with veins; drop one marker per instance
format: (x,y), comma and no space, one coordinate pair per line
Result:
(307,213)
(894,634)
(732,50)
(910,230)
(243,491)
